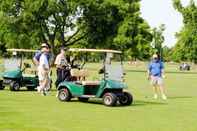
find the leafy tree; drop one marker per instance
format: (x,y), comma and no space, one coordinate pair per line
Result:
(114,24)
(186,47)
(158,39)
(134,32)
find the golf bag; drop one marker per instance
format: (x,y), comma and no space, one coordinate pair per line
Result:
(63,74)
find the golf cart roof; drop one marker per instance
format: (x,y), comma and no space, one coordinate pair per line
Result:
(21,50)
(94,50)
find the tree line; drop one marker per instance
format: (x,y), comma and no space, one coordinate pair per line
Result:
(114,24)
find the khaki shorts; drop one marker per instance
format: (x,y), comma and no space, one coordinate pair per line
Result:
(156,80)
(43,75)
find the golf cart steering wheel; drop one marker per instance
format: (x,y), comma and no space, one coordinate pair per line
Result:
(80,64)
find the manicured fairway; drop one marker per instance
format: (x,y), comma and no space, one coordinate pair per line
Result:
(29,111)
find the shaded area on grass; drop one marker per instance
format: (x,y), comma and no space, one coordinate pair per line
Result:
(172,72)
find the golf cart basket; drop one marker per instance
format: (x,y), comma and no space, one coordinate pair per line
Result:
(112,67)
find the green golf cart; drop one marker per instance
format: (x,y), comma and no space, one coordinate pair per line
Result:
(1,77)
(110,86)
(1,84)
(17,73)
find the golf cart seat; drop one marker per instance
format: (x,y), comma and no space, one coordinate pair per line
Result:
(79,74)
(29,75)
(90,83)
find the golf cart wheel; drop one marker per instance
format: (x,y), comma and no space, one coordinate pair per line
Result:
(126,99)
(64,94)
(1,86)
(83,99)
(109,99)
(14,86)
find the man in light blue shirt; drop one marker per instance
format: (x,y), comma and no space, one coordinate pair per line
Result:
(156,75)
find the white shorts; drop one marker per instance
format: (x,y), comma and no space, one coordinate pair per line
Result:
(43,75)
(156,80)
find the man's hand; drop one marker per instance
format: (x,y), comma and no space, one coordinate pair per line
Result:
(148,77)
(163,76)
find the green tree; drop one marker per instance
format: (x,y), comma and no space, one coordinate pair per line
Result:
(134,34)
(158,40)
(186,46)
(114,24)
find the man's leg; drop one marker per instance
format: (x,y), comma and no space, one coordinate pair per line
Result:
(40,77)
(58,80)
(155,90)
(154,85)
(161,88)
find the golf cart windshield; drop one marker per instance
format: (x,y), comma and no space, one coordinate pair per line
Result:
(101,62)
(113,67)
(12,63)
(16,59)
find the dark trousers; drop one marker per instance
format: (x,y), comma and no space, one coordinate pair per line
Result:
(63,74)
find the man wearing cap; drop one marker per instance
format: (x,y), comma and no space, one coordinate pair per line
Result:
(43,69)
(156,75)
(36,57)
(61,62)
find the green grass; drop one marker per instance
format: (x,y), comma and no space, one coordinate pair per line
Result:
(29,111)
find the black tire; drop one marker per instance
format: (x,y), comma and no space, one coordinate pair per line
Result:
(64,95)
(1,85)
(14,86)
(109,99)
(126,99)
(83,99)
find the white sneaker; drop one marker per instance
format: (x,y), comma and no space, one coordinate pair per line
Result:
(56,95)
(164,97)
(38,89)
(155,96)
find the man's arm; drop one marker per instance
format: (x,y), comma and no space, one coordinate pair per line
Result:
(57,62)
(36,58)
(162,70)
(148,72)
(36,62)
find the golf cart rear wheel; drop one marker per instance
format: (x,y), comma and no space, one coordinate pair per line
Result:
(126,99)
(64,94)
(1,86)
(82,99)
(109,99)
(14,86)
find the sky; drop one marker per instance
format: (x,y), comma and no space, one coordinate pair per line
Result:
(157,12)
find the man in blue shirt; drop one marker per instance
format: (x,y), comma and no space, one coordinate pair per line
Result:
(156,75)
(37,55)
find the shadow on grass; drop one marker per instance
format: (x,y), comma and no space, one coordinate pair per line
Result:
(135,103)
(144,103)
(97,102)
(170,72)
(180,97)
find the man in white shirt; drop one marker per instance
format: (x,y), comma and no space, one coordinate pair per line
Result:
(43,70)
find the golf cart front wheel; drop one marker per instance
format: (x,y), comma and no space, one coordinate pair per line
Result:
(1,86)
(14,86)
(109,99)
(126,99)
(64,95)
